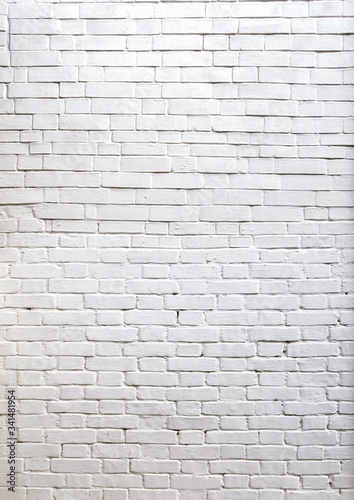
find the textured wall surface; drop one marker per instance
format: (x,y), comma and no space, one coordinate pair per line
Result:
(175,249)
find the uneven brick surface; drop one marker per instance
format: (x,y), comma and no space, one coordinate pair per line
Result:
(176,248)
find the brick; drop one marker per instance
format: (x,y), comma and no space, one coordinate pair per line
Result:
(175,256)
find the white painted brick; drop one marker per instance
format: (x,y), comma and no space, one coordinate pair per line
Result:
(176,248)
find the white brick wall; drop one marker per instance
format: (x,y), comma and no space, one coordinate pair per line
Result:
(176,248)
